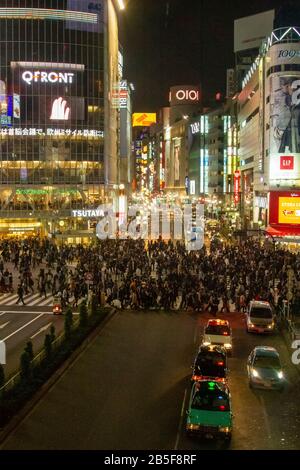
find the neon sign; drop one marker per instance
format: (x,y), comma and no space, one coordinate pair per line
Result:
(47,77)
(49,132)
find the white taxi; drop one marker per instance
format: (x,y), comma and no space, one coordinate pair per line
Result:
(218,332)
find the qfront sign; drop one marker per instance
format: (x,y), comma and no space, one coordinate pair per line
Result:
(47,77)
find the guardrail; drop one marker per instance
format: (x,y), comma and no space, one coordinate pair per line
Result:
(287,321)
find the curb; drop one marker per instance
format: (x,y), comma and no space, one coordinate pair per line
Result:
(46,387)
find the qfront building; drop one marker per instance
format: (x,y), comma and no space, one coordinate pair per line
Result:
(59,122)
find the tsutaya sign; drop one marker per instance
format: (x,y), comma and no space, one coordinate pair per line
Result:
(47,77)
(86,213)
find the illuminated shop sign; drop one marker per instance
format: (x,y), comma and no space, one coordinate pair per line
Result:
(47,77)
(237,180)
(51,132)
(143,119)
(195,128)
(288,54)
(287,163)
(184,95)
(86,213)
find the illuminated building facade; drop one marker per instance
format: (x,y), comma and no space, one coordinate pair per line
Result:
(59,124)
(269,123)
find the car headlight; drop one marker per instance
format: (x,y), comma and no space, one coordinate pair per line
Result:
(270,327)
(206,343)
(228,345)
(225,429)
(255,373)
(193,427)
(280,375)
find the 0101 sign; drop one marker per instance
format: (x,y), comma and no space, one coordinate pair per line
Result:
(187,95)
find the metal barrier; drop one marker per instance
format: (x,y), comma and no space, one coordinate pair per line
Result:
(287,321)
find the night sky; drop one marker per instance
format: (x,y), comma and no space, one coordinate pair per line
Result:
(173,42)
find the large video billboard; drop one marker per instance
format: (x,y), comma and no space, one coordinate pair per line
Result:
(284,208)
(285,130)
(44,93)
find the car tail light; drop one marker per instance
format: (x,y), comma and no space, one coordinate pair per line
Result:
(222,408)
(220,363)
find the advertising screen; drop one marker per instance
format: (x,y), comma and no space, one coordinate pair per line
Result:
(285,130)
(284,208)
(44,93)
(143,119)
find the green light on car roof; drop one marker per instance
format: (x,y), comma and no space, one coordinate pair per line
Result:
(211,385)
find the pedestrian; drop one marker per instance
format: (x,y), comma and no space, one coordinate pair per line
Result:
(20,292)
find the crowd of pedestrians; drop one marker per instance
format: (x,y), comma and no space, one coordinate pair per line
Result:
(155,275)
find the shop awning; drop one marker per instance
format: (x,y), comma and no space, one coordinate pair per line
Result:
(283,231)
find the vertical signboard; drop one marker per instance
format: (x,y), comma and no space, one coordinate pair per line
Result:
(237,182)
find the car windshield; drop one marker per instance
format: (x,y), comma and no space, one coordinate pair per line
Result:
(267,362)
(211,364)
(261,312)
(210,396)
(222,330)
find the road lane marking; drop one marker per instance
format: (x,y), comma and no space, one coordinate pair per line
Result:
(4,325)
(181,420)
(44,328)
(3,313)
(266,418)
(22,327)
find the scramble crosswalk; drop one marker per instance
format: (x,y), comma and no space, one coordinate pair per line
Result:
(31,300)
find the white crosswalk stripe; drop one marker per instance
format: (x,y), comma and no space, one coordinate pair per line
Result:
(30,300)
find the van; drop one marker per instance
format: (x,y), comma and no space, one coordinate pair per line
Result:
(260,317)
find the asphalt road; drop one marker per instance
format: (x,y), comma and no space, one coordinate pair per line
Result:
(129,391)
(19,325)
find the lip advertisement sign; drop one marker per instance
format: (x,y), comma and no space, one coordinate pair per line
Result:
(284,208)
(285,130)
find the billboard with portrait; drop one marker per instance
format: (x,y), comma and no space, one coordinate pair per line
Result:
(285,129)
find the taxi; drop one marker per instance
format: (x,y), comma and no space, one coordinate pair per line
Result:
(218,332)
(209,411)
(210,363)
